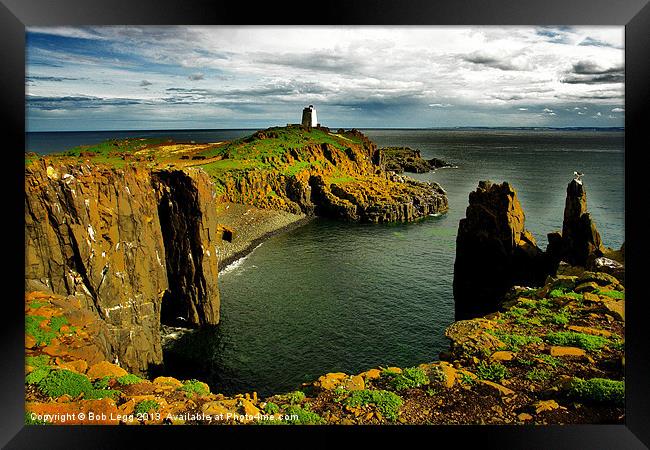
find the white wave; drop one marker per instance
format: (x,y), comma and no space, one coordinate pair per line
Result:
(238,262)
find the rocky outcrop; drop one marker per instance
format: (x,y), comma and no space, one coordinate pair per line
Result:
(405,159)
(494,251)
(337,183)
(400,200)
(97,233)
(579,242)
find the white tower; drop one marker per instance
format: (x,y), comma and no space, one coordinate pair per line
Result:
(309,117)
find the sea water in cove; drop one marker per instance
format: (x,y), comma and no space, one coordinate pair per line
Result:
(331,296)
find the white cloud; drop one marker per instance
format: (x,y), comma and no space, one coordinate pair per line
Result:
(353,68)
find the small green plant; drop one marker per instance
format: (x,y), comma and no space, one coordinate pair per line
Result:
(573,339)
(536,374)
(598,390)
(271,408)
(467,379)
(57,322)
(516,312)
(37,375)
(525,362)
(102,383)
(431,392)
(35,304)
(33,329)
(527,303)
(340,393)
(62,382)
(37,361)
(493,372)
(389,373)
(561,318)
(514,342)
(129,379)
(411,377)
(194,387)
(617,295)
(293,398)
(303,416)
(145,406)
(550,360)
(387,403)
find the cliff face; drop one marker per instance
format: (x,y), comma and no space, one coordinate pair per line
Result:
(494,251)
(103,235)
(346,183)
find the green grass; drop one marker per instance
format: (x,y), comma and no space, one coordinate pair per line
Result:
(36,304)
(194,387)
(411,377)
(102,383)
(57,322)
(492,372)
(294,397)
(550,360)
(513,341)
(387,403)
(536,374)
(62,382)
(598,390)
(33,329)
(617,295)
(271,408)
(37,361)
(466,379)
(564,292)
(304,416)
(573,339)
(560,318)
(37,375)
(145,406)
(296,167)
(129,379)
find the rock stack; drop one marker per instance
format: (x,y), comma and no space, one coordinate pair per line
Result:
(579,243)
(494,251)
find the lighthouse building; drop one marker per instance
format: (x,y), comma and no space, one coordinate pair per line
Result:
(309,117)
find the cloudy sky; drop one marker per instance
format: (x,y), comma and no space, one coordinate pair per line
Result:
(124,78)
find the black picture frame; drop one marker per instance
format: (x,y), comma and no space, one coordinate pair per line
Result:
(15,15)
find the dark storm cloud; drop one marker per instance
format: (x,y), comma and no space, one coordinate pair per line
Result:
(489,61)
(196,77)
(145,83)
(588,72)
(54,103)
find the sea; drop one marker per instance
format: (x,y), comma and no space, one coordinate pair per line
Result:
(341,297)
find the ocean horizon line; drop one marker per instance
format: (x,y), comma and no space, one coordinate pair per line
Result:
(568,128)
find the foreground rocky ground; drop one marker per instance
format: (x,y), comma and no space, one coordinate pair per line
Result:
(551,355)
